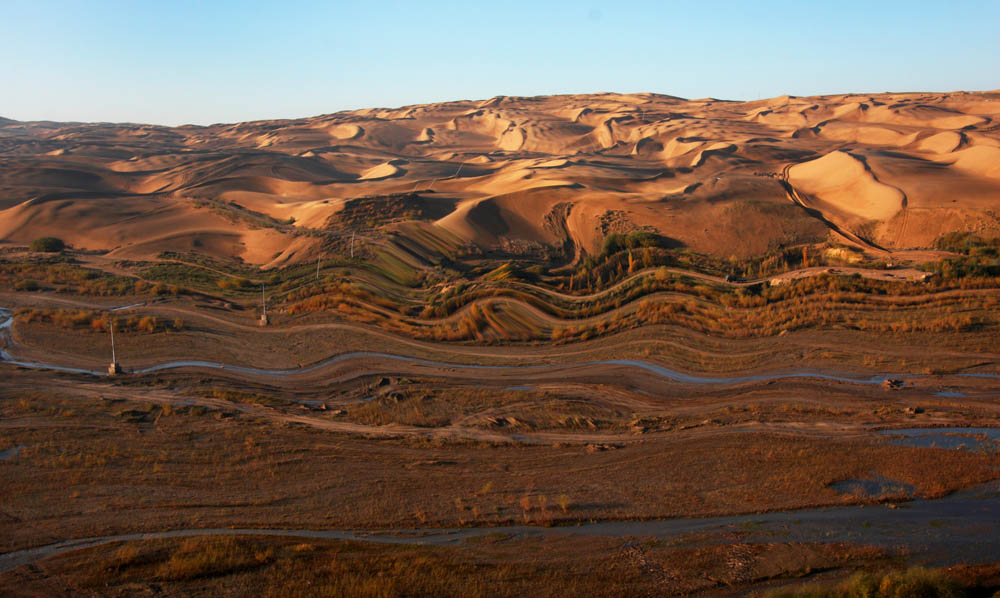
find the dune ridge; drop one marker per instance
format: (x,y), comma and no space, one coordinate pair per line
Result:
(695,171)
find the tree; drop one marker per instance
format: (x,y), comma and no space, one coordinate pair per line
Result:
(47,244)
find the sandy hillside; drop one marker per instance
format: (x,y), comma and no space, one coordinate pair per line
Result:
(892,171)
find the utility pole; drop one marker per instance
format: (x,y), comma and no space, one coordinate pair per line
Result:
(317,267)
(263,302)
(352,246)
(114,369)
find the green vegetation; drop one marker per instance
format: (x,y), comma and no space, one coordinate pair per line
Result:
(59,273)
(967,243)
(638,239)
(410,285)
(978,257)
(371,212)
(184,275)
(96,321)
(47,245)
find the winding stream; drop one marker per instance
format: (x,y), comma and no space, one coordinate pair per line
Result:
(963,527)
(657,370)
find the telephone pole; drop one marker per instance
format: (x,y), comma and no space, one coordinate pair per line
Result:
(263,303)
(114,369)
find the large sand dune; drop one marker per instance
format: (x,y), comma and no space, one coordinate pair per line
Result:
(843,186)
(715,176)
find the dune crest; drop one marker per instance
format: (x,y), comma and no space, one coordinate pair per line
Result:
(709,174)
(980,159)
(941,143)
(344,132)
(383,171)
(844,186)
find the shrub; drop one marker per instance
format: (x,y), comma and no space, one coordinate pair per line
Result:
(918,583)
(47,245)
(565,503)
(862,585)
(212,556)
(912,583)
(807,591)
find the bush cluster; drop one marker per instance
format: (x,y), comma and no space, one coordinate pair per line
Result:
(47,245)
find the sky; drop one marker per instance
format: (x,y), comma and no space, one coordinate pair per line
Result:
(178,62)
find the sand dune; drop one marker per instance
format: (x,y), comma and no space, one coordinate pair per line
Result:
(844,188)
(923,115)
(426,135)
(867,134)
(981,160)
(384,170)
(706,173)
(941,143)
(716,149)
(347,132)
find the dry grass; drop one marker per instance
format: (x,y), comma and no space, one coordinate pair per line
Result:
(61,274)
(817,302)
(91,467)
(911,583)
(492,566)
(210,556)
(87,320)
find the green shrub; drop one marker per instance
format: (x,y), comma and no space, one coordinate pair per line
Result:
(47,245)
(26,285)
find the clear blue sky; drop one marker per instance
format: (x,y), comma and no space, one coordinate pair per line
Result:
(175,62)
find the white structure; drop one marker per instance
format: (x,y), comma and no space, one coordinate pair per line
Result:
(114,369)
(264,321)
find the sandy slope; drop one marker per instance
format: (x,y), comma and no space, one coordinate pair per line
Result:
(846,189)
(894,169)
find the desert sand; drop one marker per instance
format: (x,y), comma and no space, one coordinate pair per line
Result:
(888,172)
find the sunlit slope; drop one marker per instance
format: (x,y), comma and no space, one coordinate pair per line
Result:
(893,171)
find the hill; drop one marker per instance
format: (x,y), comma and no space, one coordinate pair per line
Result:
(885,172)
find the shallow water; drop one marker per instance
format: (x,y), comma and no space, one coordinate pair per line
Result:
(964,527)
(649,367)
(875,487)
(652,368)
(11,452)
(124,307)
(980,440)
